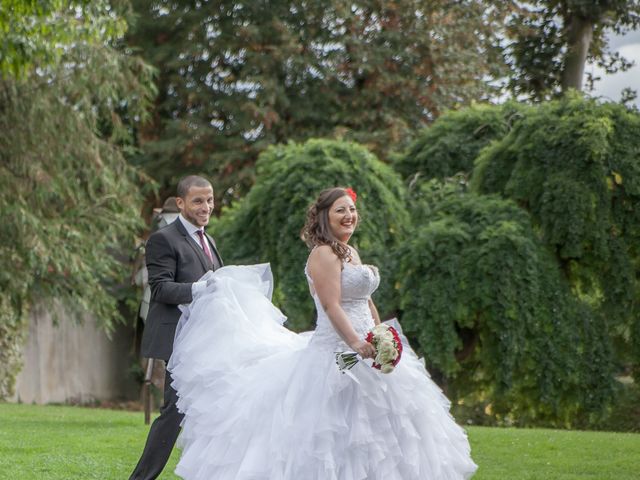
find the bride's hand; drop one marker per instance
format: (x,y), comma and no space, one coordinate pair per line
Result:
(363,348)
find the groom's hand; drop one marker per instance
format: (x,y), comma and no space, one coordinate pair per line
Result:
(198,287)
(208,285)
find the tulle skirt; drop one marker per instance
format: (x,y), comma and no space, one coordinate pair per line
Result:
(264,403)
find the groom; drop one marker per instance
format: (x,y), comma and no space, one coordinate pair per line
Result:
(176,257)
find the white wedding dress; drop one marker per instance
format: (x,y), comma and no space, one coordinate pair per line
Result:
(264,403)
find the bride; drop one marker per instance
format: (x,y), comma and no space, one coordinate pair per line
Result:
(264,403)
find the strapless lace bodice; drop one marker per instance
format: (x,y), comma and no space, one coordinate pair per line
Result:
(358,282)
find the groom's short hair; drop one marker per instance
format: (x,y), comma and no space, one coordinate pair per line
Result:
(191,181)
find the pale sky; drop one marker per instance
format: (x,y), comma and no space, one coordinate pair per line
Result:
(611,86)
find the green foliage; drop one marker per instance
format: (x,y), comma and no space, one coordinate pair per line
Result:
(451,144)
(69,200)
(489,308)
(238,76)
(12,334)
(37,32)
(625,413)
(573,165)
(545,277)
(265,225)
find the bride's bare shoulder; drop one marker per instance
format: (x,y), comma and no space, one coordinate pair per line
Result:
(323,256)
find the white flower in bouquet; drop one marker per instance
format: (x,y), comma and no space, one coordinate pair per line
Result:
(387,368)
(386,352)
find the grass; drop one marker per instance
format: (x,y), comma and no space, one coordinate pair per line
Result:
(67,443)
(539,454)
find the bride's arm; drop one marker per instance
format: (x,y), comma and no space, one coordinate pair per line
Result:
(324,268)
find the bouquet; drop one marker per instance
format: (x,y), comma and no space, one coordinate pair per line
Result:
(388,350)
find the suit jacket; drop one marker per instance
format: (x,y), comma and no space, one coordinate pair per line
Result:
(174,261)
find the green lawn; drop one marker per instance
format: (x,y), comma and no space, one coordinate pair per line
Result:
(66,443)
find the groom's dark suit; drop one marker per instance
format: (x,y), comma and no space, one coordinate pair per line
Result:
(174,261)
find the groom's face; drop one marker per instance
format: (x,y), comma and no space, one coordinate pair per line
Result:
(197,205)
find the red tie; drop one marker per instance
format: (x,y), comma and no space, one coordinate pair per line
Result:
(205,247)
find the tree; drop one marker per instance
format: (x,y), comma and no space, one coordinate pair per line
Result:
(488,307)
(265,225)
(68,198)
(573,166)
(238,76)
(536,262)
(451,144)
(551,41)
(32,33)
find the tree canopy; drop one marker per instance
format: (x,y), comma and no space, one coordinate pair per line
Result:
(38,32)
(451,145)
(69,199)
(237,76)
(534,264)
(489,308)
(573,165)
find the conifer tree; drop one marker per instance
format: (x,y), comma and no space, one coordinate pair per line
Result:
(238,76)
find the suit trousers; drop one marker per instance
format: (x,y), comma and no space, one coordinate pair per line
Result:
(162,436)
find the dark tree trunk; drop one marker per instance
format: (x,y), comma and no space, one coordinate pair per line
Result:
(579,36)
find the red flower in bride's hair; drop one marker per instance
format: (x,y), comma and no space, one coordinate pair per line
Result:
(351,192)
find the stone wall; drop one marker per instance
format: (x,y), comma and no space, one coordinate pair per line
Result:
(69,362)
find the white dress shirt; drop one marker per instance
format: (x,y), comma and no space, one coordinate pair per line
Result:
(192,230)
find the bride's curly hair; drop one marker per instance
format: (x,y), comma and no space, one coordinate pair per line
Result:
(317,231)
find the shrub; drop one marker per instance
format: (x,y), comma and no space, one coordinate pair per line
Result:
(451,144)
(573,165)
(490,309)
